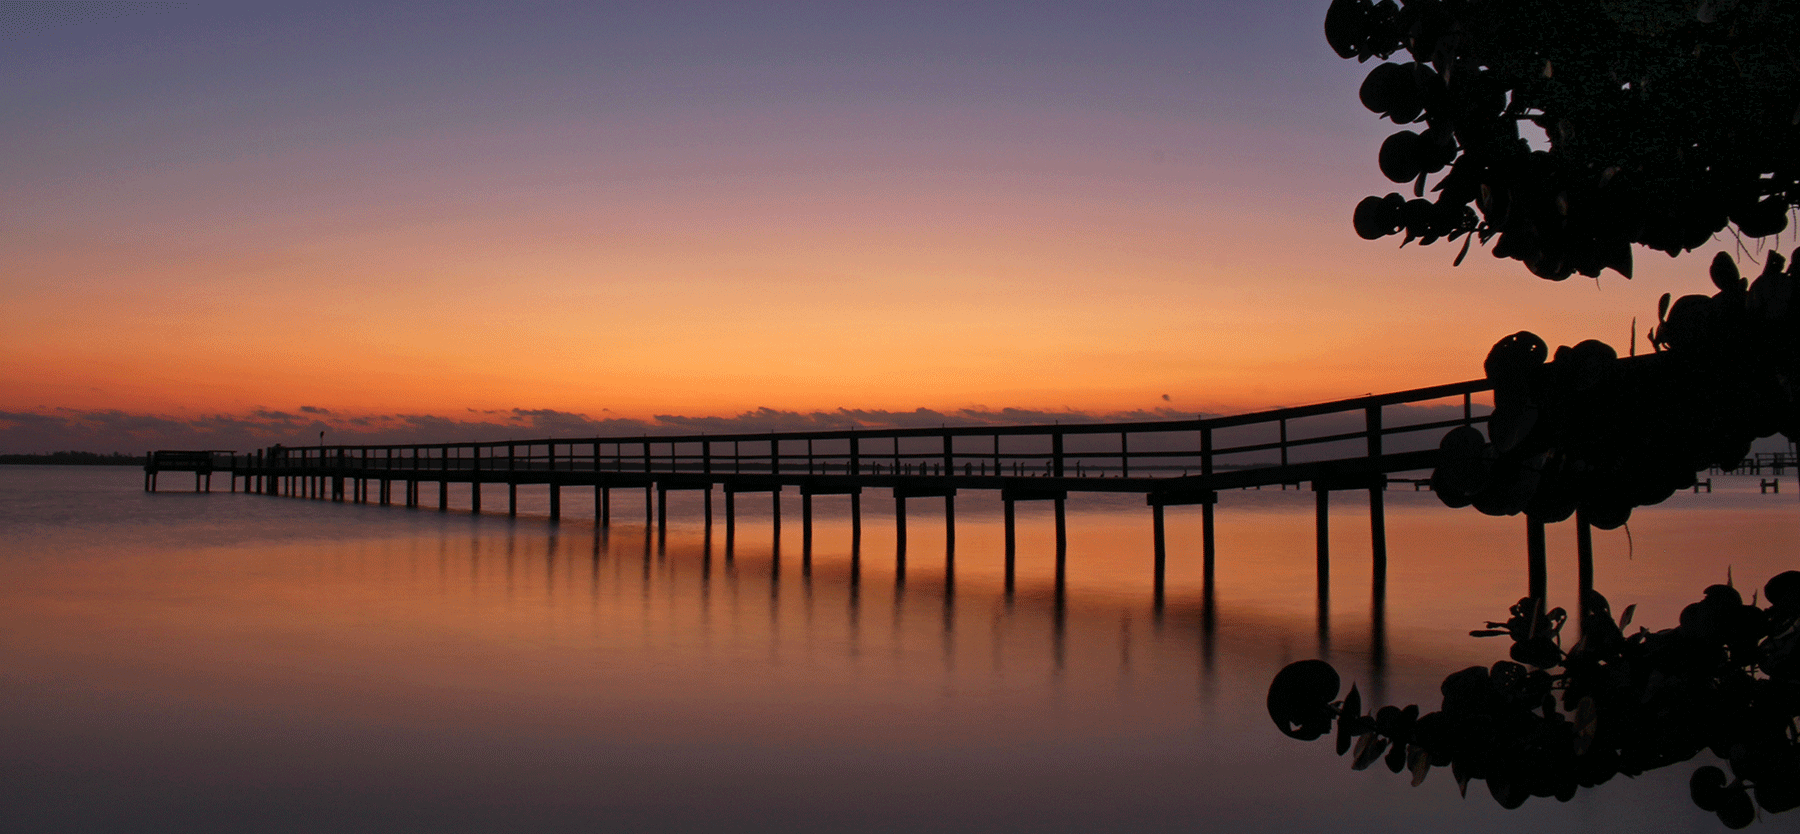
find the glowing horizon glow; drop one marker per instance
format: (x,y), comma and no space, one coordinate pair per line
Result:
(721,208)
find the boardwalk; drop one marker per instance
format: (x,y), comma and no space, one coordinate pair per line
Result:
(1347,444)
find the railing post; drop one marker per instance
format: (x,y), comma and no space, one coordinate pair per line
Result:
(1056,453)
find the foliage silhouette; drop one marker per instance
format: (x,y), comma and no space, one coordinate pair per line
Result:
(1665,122)
(1549,722)
(1592,432)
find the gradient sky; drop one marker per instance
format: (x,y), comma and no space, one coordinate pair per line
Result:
(211,211)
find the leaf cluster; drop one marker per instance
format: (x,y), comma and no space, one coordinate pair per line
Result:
(1549,722)
(1590,431)
(1666,120)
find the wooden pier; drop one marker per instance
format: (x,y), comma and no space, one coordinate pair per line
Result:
(1352,444)
(201,462)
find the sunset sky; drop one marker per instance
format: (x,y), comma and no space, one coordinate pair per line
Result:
(232,222)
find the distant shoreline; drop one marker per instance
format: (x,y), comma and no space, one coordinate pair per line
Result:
(75,459)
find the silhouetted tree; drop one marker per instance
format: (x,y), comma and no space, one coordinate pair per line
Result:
(1666,120)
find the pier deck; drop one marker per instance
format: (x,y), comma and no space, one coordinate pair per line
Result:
(1346,444)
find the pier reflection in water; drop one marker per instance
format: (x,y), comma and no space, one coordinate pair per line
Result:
(350,668)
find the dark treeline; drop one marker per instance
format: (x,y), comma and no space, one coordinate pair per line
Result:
(77,459)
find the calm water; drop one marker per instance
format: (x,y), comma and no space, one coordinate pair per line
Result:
(177,662)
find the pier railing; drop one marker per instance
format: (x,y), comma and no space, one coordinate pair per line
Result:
(1350,444)
(1281,445)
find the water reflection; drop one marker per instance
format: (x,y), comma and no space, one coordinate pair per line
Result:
(360,668)
(681,575)
(1549,722)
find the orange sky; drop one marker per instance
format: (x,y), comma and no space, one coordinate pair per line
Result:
(414,214)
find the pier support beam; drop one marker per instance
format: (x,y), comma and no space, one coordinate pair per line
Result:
(1011,494)
(950,527)
(1062,527)
(1062,543)
(1207,548)
(855,522)
(662,513)
(1322,510)
(730,520)
(1536,561)
(1377,489)
(1160,500)
(1378,531)
(900,534)
(805,532)
(1012,543)
(1161,552)
(555,501)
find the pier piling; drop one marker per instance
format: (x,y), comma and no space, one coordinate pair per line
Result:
(1158,459)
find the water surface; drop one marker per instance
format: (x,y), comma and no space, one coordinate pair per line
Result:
(228,662)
